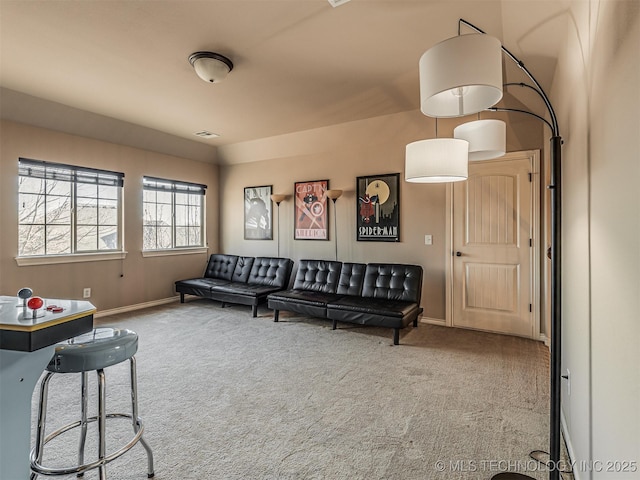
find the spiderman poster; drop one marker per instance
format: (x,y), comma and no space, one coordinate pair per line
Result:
(378,208)
(311,212)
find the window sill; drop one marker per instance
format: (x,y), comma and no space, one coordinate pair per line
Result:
(175,251)
(74,258)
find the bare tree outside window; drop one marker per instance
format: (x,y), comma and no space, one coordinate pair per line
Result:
(65,209)
(173,214)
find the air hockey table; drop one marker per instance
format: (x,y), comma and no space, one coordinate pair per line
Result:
(27,342)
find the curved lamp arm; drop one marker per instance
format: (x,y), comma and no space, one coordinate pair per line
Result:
(520,64)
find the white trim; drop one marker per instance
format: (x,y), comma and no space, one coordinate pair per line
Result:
(544,339)
(71,258)
(174,251)
(434,321)
(137,306)
(536,236)
(569,445)
(448,241)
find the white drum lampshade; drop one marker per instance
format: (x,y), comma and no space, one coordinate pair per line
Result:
(437,160)
(487,138)
(461,76)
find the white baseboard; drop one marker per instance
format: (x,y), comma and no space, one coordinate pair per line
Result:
(567,441)
(137,306)
(433,321)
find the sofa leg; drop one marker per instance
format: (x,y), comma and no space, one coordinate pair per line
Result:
(181,297)
(415,322)
(254,311)
(276,314)
(396,336)
(335,324)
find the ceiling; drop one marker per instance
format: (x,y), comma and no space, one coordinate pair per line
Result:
(119,70)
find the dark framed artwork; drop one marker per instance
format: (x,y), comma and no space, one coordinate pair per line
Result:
(258,223)
(311,212)
(378,215)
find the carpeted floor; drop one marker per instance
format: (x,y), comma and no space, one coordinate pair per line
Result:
(227,396)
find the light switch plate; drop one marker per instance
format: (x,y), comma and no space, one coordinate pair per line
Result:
(428,239)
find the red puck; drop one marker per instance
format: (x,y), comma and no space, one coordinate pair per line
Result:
(57,309)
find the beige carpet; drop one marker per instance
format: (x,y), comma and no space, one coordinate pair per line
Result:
(227,396)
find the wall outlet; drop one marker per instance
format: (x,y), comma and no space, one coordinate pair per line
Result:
(428,239)
(86,293)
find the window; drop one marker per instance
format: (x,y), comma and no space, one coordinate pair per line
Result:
(66,210)
(173,214)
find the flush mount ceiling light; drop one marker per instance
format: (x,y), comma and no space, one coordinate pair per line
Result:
(210,67)
(461,76)
(487,138)
(437,160)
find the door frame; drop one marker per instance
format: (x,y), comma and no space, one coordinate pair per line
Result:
(536,235)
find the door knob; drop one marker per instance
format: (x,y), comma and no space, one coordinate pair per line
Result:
(458,254)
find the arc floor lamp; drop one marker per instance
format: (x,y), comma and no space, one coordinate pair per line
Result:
(463,76)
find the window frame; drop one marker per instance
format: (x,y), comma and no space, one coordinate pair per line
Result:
(174,187)
(73,175)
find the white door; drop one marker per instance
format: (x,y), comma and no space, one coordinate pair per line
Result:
(493,234)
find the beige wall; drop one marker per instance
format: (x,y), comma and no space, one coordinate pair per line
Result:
(340,153)
(596,94)
(144,279)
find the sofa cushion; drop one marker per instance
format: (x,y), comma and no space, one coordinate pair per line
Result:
(351,279)
(272,272)
(306,302)
(317,275)
(242,270)
(392,281)
(199,286)
(373,311)
(245,289)
(221,266)
(306,297)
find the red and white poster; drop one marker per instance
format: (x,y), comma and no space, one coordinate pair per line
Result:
(311,212)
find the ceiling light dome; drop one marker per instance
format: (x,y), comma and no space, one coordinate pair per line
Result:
(210,67)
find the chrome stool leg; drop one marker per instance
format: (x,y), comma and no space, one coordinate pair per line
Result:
(42,417)
(83,420)
(134,415)
(102,424)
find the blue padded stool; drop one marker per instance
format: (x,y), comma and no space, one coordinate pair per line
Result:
(96,350)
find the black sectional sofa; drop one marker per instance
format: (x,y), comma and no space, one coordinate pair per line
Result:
(380,294)
(240,280)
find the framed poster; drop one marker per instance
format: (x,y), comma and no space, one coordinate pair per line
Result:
(257,213)
(378,215)
(311,212)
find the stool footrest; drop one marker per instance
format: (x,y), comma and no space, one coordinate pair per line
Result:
(42,470)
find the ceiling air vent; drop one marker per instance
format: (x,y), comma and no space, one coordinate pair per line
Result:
(206,134)
(337,3)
